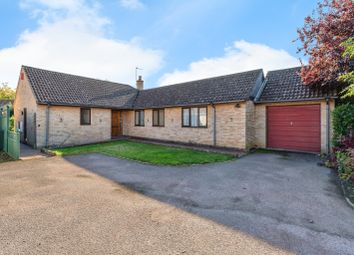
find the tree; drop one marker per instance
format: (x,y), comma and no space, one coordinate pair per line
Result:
(322,38)
(348,77)
(6,92)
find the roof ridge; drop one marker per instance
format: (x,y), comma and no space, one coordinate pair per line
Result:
(204,79)
(284,69)
(80,76)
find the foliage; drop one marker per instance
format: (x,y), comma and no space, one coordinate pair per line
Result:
(12,123)
(6,92)
(345,164)
(322,36)
(343,122)
(348,77)
(150,153)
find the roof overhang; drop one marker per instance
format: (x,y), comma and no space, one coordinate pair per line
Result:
(296,100)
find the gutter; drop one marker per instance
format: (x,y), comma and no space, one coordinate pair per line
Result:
(47,125)
(328,134)
(214,123)
(295,100)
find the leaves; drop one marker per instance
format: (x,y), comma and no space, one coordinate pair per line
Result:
(6,92)
(343,122)
(348,77)
(322,36)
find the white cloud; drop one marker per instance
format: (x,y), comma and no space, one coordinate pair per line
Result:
(71,38)
(242,56)
(132,4)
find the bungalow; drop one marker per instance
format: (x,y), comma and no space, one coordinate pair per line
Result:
(242,110)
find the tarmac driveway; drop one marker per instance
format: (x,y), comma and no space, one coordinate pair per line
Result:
(94,204)
(284,199)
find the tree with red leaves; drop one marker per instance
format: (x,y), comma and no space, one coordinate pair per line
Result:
(322,38)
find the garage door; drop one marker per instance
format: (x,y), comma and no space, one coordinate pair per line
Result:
(294,127)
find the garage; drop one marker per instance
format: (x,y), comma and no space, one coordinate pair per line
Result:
(296,127)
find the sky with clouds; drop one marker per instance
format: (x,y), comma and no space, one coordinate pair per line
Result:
(172,41)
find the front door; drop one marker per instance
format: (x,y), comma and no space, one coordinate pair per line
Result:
(116,123)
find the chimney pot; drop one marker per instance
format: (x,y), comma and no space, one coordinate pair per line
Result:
(140,83)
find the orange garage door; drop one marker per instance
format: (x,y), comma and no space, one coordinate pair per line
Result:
(294,127)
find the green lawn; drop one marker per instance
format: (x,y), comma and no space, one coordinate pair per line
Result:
(150,153)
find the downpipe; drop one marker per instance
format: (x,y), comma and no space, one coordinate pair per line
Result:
(328,138)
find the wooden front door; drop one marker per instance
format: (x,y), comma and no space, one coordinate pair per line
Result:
(116,123)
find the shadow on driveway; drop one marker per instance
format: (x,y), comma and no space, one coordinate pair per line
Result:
(285,199)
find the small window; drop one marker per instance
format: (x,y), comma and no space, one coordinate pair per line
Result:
(202,117)
(194,117)
(158,117)
(85,116)
(185,117)
(139,118)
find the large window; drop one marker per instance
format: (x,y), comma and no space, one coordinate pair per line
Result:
(139,118)
(85,116)
(194,117)
(158,117)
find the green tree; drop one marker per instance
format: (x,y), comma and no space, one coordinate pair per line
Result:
(348,77)
(6,92)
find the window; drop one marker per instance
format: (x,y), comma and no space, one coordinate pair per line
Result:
(185,117)
(194,117)
(158,117)
(85,116)
(139,118)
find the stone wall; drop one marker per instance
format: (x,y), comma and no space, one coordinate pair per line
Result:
(25,99)
(230,127)
(261,122)
(250,125)
(65,128)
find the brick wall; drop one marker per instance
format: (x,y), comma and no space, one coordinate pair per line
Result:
(25,99)
(65,128)
(230,127)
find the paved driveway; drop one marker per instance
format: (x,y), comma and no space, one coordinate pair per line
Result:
(285,199)
(93,204)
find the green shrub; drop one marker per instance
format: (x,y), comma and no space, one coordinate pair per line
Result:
(343,121)
(345,164)
(12,123)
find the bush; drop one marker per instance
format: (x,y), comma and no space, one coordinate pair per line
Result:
(345,164)
(343,122)
(12,123)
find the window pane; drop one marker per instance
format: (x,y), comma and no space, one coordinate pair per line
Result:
(85,116)
(155,117)
(142,118)
(136,118)
(202,117)
(161,117)
(186,117)
(194,117)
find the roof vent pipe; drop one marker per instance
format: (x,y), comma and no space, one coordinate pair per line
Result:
(140,83)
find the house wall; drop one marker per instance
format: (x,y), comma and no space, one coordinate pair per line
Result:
(250,125)
(25,99)
(65,128)
(261,122)
(230,127)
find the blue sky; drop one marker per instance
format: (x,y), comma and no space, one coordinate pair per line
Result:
(173,41)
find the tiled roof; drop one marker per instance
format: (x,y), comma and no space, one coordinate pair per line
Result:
(228,88)
(65,89)
(286,85)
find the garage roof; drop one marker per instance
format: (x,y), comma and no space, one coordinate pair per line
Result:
(286,85)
